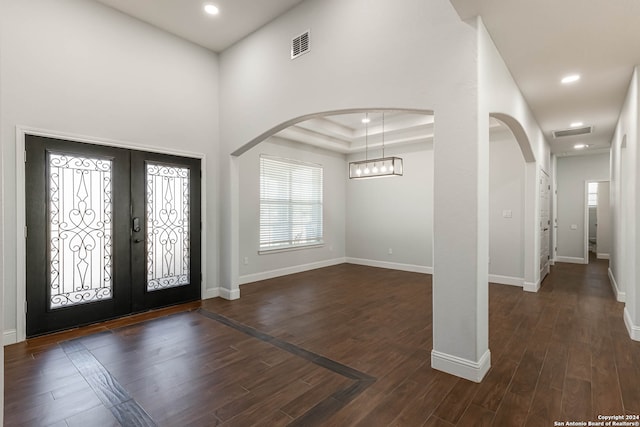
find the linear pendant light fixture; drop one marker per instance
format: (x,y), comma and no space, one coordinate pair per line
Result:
(374,168)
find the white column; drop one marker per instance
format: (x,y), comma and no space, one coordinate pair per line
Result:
(229,203)
(461,241)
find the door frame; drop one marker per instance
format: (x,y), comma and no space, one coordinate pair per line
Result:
(21,247)
(547,268)
(586,216)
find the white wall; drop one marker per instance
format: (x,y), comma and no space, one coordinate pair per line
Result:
(78,67)
(625,196)
(507,186)
(334,211)
(393,213)
(573,172)
(500,96)
(603,214)
(2,225)
(262,90)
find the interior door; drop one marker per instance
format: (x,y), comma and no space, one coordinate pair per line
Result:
(545,223)
(105,226)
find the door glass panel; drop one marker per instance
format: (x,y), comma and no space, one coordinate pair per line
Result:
(167,226)
(80,230)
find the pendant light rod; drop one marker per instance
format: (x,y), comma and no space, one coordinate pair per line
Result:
(378,167)
(383,134)
(366,136)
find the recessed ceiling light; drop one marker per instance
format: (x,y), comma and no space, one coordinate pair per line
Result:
(211,9)
(366,120)
(576,124)
(570,78)
(580,146)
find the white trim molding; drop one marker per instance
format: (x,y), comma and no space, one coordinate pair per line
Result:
(620,295)
(531,286)
(229,294)
(467,369)
(634,330)
(602,255)
(570,260)
(9,337)
(506,280)
(211,293)
(391,265)
(265,275)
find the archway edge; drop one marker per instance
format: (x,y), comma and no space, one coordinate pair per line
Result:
(257,140)
(519,133)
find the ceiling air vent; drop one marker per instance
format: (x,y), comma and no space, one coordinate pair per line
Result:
(300,45)
(572,132)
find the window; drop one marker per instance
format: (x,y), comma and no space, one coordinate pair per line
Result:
(290,204)
(592,194)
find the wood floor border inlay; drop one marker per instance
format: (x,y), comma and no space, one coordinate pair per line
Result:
(330,405)
(111,393)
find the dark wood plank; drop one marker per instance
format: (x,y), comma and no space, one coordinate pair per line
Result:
(477,416)
(576,399)
(457,401)
(332,347)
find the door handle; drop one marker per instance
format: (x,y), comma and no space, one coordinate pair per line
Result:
(138,240)
(545,229)
(136,225)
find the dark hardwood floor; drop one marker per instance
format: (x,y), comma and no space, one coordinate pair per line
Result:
(340,346)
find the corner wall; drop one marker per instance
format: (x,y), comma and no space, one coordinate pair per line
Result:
(264,266)
(393,214)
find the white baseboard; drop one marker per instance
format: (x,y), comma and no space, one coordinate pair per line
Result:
(9,337)
(256,277)
(634,330)
(467,369)
(620,296)
(570,259)
(211,293)
(391,265)
(602,256)
(506,280)
(531,286)
(229,294)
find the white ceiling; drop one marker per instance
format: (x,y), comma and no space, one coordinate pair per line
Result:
(540,41)
(185,18)
(346,133)
(543,40)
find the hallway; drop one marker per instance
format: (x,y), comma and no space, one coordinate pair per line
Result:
(340,346)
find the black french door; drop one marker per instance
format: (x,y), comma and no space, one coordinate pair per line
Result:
(110,231)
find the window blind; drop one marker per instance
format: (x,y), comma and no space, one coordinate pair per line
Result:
(290,203)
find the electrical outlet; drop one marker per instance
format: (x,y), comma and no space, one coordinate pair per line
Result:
(245,261)
(390,251)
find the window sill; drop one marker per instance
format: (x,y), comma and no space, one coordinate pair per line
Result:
(290,248)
